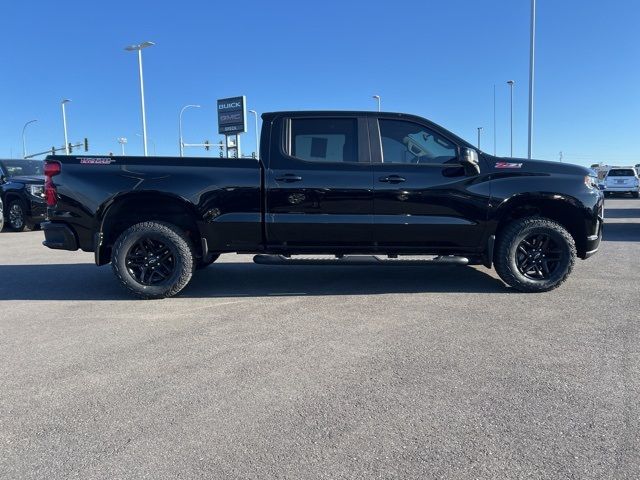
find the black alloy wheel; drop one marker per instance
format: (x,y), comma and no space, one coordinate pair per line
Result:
(16,216)
(150,262)
(534,254)
(153,259)
(538,256)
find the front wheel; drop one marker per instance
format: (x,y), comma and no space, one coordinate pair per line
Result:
(635,194)
(16,216)
(153,259)
(534,254)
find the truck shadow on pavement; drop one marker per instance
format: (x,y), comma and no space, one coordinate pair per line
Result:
(244,279)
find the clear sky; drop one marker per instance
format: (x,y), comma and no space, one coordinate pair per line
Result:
(439,59)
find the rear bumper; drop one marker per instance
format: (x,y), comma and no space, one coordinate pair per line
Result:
(621,189)
(59,236)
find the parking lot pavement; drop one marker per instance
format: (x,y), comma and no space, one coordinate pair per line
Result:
(320,372)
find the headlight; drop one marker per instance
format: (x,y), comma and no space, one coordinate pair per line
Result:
(37,190)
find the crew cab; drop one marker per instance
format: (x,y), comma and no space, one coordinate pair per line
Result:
(622,180)
(363,187)
(22,191)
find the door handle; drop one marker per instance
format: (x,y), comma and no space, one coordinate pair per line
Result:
(392,179)
(288,178)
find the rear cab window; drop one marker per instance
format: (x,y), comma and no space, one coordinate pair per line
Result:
(328,140)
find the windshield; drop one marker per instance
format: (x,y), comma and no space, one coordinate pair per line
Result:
(621,172)
(17,168)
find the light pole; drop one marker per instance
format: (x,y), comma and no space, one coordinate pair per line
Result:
(377,97)
(64,125)
(494,120)
(532,54)
(122,141)
(138,48)
(153,143)
(479,130)
(180,126)
(24,138)
(511,83)
(255,117)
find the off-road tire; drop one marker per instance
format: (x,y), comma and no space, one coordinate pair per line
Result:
(172,237)
(507,245)
(200,264)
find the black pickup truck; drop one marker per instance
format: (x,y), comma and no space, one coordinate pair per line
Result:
(360,186)
(22,191)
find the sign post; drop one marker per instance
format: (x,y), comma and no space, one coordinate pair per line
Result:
(232,121)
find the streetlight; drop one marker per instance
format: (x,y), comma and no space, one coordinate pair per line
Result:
(122,141)
(532,55)
(138,48)
(153,143)
(511,83)
(255,115)
(64,125)
(180,126)
(24,138)
(494,120)
(479,130)
(377,97)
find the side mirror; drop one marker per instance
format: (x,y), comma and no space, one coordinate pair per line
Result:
(469,160)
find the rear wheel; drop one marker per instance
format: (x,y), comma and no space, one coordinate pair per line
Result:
(534,254)
(153,259)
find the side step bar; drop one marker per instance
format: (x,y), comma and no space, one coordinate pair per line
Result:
(358,260)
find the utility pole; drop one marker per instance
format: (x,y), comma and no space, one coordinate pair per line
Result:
(494,119)
(532,55)
(479,131)
(138,48)
(561,156)
(122,141)
(24,138)
(511,83)
(180,127)
(377,97)
(64,126)
(255,115)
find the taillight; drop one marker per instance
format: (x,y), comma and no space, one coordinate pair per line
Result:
(51,169)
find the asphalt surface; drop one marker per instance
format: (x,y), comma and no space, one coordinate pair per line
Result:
(320,372)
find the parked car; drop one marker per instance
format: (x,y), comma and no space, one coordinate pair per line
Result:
(22,191)
(1,215)
(622,180)
(340,183)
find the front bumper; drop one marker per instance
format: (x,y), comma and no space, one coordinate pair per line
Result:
(59,236)
(38,211)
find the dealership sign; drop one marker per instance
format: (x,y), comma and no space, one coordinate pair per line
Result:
(232,115)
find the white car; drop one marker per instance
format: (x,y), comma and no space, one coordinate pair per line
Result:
(622,180)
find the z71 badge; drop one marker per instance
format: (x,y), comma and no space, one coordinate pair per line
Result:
(508,165)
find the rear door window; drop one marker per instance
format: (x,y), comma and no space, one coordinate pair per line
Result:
(332,140)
